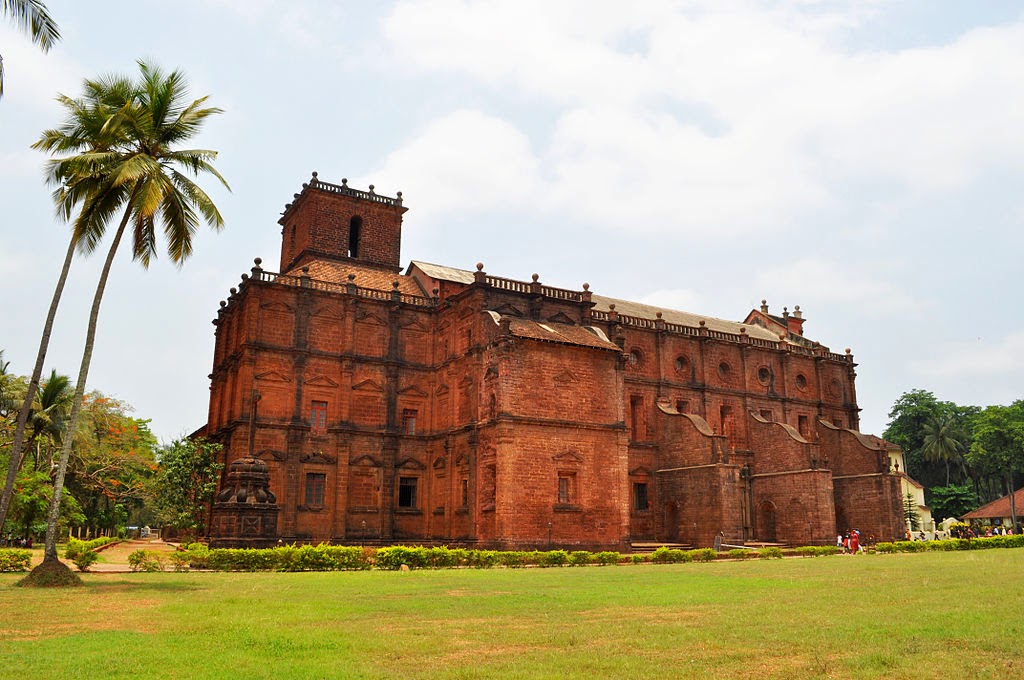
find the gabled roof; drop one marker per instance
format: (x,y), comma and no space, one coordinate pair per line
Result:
(999,508)
(442,273)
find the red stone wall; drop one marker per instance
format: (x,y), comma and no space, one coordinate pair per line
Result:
(317,225)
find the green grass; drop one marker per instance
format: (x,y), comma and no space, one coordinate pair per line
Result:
(927,615)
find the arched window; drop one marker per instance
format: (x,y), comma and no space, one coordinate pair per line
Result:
(355,232)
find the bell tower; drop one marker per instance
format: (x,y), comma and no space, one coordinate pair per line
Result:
(335,222)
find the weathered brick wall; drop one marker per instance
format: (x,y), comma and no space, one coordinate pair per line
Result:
(794,507)
(549,421)
(700,503)
(850,452)
(318,224)
(688,440)
(779,447)
(871,504)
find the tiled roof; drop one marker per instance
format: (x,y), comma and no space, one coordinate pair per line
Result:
(999,507)
(603,304)
(365,277)
(442,273)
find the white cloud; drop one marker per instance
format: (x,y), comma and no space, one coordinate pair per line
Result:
(733,117)
(464,161)
(821,282)
(980,358)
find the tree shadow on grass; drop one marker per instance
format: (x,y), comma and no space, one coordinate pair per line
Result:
(156,584)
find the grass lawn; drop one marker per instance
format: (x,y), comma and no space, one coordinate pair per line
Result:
(925,615)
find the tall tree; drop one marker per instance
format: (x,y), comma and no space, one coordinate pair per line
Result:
(95,130)
(998,445)
(138,173)
(940,443)
(32,17)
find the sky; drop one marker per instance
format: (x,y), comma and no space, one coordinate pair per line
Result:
(863,160)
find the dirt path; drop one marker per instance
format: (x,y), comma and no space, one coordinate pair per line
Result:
(115,558)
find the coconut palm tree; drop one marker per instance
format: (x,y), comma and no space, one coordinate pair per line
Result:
(95,130)
(134,170)
(940,443)
(30,16)
(49,417)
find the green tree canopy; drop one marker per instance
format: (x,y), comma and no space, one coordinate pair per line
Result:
(998,444)
(185,483)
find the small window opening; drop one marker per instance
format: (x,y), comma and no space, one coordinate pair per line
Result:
(409,420)
(636,405)
(318,416)
(355,232)
(315,484)
(407,492)
(640,496)
(566,487)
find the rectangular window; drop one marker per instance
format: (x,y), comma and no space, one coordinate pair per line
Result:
(766,414)
(636,414)
(318,416)
(640,496)
(316,482)
(838,422)
(409,421)
(802,425)
(566,488)
(465,493)
(682,405)
(407,492)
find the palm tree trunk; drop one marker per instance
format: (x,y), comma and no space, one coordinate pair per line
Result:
(33,386)
(1013,505)
(50,552)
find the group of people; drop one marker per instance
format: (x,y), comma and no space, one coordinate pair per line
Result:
(849,543)
(11,542)
(969,532)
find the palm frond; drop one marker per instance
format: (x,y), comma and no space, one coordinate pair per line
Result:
(32,17)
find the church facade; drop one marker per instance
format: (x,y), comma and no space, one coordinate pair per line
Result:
(358,402)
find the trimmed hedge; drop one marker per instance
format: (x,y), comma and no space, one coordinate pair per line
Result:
(952,544)
(74,547)
(14,559)
(349,558)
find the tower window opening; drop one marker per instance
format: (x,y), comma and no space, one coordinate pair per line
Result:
(355,229)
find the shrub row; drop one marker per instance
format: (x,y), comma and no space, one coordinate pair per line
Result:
(816,550)
(75,547)
(85,553)
(347,558)
(14,559)
(665,555)
(953,544)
